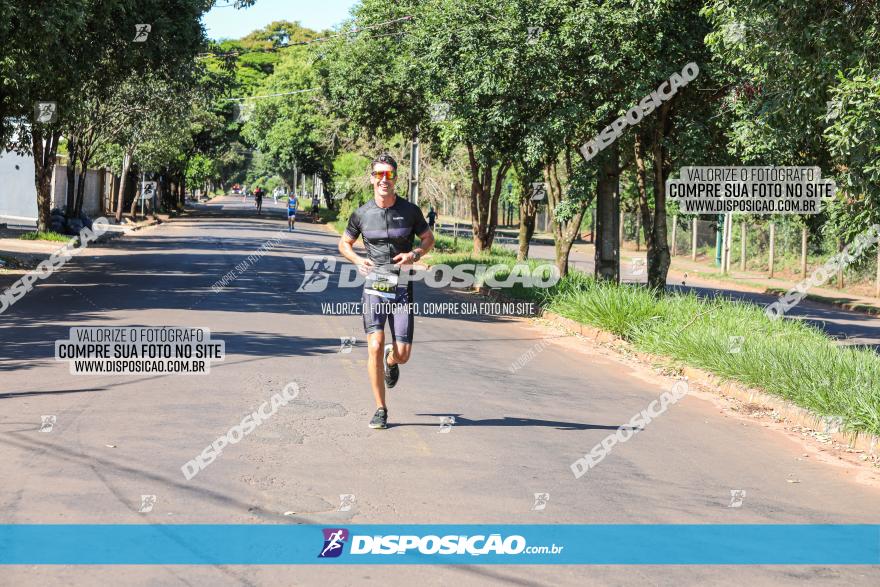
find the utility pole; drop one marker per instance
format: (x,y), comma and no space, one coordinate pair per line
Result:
(772,246)
(728,238)
(674,231)
(414,169)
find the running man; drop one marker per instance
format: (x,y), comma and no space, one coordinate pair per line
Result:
(258,200)
(292,203)
(432,217)
(316,203)
(389,226)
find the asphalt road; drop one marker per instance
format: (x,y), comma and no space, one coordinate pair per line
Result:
(117,438)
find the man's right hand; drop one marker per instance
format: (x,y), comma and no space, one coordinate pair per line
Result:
(365,266)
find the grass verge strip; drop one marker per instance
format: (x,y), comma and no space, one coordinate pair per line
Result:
(787,358)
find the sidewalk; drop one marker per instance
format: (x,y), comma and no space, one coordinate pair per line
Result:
(18,256)
(503,234)
(849,318)
(683,269)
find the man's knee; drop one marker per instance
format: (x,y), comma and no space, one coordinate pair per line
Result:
(376,343)
(402,353)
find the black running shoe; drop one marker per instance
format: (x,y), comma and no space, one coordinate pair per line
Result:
(380,419)
(392,372)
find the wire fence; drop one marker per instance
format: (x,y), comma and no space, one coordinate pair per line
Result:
(796,251)
(751,243)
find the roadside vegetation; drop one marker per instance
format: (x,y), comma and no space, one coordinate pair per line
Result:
(43,235)
(787,358)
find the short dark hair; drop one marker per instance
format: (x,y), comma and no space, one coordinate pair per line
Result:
(384,158)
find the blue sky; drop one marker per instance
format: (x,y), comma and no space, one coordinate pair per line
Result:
(226,22)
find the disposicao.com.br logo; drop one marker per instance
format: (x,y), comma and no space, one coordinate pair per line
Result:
(430,544)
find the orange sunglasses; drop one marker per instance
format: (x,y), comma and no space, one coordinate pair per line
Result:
(389,175)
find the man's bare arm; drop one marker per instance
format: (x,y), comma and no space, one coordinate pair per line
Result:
(427,243)
(347,251)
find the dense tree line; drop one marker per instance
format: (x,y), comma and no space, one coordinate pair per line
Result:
(498,94)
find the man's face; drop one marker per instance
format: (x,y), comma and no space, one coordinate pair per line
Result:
(381,176)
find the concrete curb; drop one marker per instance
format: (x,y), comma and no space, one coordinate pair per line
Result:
(113,235)
(792,413)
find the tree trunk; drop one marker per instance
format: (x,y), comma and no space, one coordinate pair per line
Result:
(72,160)
(182,194)
(642,184)
(80,191)
(658,252)
(165,191)
(137,193)
(44,164)
(171,198)
(527,213)
(485,194)
(564,232)
(123,179)
(85,159)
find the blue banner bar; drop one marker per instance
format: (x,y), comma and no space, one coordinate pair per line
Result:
(629,544)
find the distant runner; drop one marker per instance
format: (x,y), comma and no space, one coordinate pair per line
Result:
(292,203)
(316,203)
(388,225)
(432,217)
(258,200)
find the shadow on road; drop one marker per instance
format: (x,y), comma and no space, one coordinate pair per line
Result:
(27,394)
(507,421)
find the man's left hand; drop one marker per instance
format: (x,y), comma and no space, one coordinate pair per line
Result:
(404,259)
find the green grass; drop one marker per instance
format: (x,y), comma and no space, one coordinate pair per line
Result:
(786,358)
(41,235)
(506,258)
(444,244)
(327,216)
